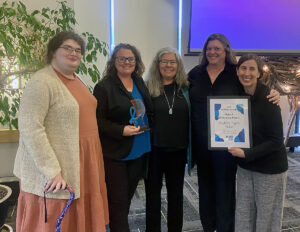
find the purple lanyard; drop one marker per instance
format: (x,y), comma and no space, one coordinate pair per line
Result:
(69,203)
(62,214)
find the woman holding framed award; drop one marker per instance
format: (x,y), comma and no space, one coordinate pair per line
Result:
(124,107)
(216,169)
(261,174)
(168,87)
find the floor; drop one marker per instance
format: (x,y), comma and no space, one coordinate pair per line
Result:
(291,217)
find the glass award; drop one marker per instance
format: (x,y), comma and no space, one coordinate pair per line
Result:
(137,113)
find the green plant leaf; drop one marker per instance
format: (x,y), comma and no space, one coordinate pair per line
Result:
(88,58)
(9,49)
(2,37)
(22,58)
(14,122)
(35,12)
(46,15)
(19,29)
(105,52)
(10,12)
(83,68)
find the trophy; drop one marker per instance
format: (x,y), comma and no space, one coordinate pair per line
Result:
(137,112)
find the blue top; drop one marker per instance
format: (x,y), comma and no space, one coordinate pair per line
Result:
(141,142)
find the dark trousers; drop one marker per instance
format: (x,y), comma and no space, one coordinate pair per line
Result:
(122,178)
(172,165)
(216,180)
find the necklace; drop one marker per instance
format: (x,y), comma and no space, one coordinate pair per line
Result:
(170,107)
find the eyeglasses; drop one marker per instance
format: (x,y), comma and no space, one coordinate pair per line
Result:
(171,62)
(70,50)
(122,59)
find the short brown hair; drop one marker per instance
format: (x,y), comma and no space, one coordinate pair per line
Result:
(258,61)
(58,40)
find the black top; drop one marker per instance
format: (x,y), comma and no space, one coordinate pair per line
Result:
(226,84)
(113,114)
(268,153)
(170,131)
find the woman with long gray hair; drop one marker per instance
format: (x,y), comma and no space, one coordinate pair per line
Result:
(168,87)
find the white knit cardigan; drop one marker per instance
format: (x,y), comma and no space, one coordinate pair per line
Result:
(49,135)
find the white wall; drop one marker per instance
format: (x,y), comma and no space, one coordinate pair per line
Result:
(93,17)
(7,158)
(39,4)
(149,25)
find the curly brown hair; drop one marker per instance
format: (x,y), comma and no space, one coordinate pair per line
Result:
(110,69)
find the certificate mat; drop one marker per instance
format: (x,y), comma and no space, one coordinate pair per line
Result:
(229,123)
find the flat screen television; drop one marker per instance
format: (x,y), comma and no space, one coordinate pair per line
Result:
(263,27)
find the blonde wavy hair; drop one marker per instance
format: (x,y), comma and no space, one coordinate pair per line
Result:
(154,78)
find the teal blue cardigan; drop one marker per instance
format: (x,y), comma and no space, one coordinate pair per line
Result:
(185,92)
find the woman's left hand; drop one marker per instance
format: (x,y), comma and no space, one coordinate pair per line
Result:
(274,96)
(238,152)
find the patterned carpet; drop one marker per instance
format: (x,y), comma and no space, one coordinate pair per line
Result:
(291,217)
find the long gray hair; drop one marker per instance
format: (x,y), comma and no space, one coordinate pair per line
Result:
(230,58)
(154,78)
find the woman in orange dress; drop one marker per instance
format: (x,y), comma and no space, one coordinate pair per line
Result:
(59,145)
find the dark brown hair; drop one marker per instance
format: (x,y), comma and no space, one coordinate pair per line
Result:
(254,57)
(110,69)
(58,40)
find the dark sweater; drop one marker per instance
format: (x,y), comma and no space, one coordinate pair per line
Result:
(227,84)
(171,131)
(268,153)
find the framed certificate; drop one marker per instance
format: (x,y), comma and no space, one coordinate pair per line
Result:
(229,123)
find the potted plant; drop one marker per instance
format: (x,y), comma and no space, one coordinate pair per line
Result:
(6,228)
(23,39)
(5,193)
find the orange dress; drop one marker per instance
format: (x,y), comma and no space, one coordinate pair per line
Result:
(89,213)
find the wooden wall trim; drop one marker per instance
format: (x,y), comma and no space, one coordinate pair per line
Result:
(9,136)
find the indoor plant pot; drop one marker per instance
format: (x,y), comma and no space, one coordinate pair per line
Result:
(6,228)
(5,193)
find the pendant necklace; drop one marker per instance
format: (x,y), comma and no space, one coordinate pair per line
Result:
(170,107)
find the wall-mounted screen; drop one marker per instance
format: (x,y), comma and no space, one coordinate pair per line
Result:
(260,26)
